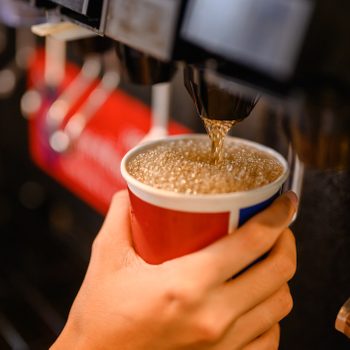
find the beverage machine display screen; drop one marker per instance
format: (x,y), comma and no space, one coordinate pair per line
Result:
(266,35)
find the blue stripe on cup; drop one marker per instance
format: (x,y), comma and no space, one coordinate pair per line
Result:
(246,213)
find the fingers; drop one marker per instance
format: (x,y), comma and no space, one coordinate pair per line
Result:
(258,320)
(260,281)
(233,253)
(268,341)
(248,327)
(115,234)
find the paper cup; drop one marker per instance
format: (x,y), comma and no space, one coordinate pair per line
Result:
(166,225)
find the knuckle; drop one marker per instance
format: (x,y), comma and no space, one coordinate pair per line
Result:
(284,266)
(258,240)
(209,330)
(180,297)
(285,302)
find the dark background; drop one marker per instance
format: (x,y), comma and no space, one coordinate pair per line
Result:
(46,233)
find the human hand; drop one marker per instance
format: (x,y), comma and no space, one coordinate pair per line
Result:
(189,302)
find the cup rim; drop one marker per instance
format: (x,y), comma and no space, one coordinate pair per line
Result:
(169,194)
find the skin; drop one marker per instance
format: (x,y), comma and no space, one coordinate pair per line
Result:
(189,303)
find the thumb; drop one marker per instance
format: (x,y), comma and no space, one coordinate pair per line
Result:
(115,233)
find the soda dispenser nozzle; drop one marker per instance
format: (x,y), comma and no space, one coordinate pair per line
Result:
(217,98)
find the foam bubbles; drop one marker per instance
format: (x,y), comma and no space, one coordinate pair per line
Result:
(186,166)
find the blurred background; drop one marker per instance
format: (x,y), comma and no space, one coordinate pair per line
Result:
(45,232)
(49,215)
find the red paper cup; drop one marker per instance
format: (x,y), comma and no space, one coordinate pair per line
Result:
(166,225)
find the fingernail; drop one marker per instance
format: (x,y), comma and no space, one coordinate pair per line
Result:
(293,197)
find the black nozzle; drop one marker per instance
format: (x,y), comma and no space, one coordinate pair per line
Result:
(216,101)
